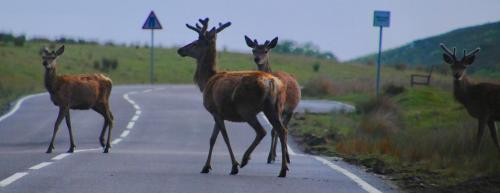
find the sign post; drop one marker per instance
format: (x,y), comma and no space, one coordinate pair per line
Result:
(381,19)
(152,23)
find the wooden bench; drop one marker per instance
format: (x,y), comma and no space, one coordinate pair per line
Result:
(420,79)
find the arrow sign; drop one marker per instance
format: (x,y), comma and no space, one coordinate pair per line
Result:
(152,22)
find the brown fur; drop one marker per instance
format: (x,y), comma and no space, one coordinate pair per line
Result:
(481,100)
(235,96)
(86,91)
(292,89)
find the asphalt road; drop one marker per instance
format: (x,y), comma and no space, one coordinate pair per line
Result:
(161,140)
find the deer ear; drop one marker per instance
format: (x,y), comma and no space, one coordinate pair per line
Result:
(469,60)
(447,59)
(249,42)
(273,43)
(60,51)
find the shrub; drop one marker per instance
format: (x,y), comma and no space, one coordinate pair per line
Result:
(321,86)
(401,67)
(106,64)
(392,90)
(381,117)
(316,67)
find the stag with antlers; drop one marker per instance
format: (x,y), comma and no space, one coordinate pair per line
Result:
(292,89)
(87,91)
(236,96)
(482,100)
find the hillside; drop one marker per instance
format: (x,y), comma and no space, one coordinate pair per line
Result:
(427,52)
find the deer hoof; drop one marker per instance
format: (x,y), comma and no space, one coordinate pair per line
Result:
(71,150)
(244,162)
(206,169)
(49,150)
(282,173)
(270,159)
(234,170)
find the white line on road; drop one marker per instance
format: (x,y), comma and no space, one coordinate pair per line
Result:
(40,165)
(124,133)
(135,117)
(116,141)
(130,125)
(84,150)
(147,90)
(137,107)
(12,178)
(61,156)
(18,104)
(138,112)
(367,187)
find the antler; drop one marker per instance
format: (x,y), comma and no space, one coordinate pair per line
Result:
(222,26)
(198,29)
(472,53)
(448,51)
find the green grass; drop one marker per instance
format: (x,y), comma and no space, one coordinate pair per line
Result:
(434,141)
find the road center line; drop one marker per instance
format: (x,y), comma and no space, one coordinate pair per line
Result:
(124,133)
(12,178)
(116,141)
(135,117)
(61,156)
(40,165)
(130,125)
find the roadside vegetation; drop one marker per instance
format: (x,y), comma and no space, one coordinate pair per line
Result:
(420,137)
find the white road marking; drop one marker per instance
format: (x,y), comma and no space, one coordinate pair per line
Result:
(137,107)
(12,178)
(84,150)
(40,165)
(363,184)
(135,117)
(116,141)
(18,104)
(61,156)
(124,133)
(130,125)
(138,112)
(367,187)
(148,90)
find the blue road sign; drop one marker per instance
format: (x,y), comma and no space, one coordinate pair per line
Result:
(152,22)
(381,18)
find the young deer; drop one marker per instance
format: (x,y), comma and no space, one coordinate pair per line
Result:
(292,89)
(481,100)
(235,96)
(77,92)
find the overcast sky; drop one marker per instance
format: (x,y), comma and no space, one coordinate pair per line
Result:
(343,27)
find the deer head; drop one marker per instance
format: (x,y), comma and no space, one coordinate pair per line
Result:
(49,57)
(206,39)
(458,66)
(260,51)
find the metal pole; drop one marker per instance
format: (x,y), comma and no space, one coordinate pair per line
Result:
(378,60)
(151,67)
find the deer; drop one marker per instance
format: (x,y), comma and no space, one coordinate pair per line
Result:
(81,92)
(236,96)
(292,89)
(481,100)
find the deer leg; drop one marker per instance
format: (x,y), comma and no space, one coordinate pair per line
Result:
(109,119)
(260,133)
(101,110)
(70,130)
(222,127)
(213,139)
(272,152)
(275,120)
(480,131)
(493,132)
(286,119)
(60,116)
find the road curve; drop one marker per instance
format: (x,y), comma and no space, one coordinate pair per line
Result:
(160,141)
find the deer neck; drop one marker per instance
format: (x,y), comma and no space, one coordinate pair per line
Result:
(206,67)
(460,88)
(266,67)
(50,79)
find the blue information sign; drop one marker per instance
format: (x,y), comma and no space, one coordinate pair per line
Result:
(382,18)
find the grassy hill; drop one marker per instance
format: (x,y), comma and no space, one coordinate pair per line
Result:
(21,70)
(427,52)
